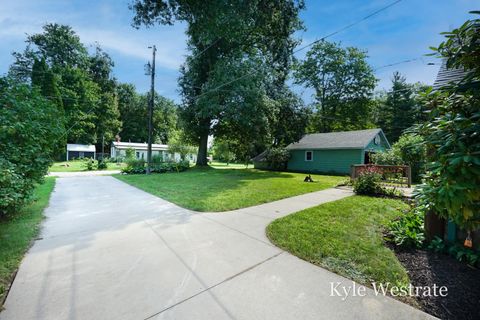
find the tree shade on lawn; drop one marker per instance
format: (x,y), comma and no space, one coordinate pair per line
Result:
(209,189)
(18,231)
(345,237)
(79,165)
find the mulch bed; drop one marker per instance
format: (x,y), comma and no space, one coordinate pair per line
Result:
(463,282)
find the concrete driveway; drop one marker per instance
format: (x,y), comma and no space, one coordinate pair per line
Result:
(111,251)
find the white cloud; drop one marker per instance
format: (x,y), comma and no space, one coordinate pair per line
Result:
(168,55)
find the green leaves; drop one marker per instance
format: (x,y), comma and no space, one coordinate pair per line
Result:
(452,184)
(343,82)
(407,230)
(29,131)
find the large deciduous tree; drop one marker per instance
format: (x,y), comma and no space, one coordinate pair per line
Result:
(343,84)
(226,38)
(133,114)
(84,83)
(107,122)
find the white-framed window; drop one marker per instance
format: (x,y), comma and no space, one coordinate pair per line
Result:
(308,155)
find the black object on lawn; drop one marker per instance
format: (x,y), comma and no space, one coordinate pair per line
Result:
(308,179)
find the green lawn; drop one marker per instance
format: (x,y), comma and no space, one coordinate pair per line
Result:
(344,236)
(17,233)
(78,165)
(212,189)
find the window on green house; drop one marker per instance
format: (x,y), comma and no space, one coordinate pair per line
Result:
(308,155)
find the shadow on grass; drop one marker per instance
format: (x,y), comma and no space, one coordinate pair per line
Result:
(219,189)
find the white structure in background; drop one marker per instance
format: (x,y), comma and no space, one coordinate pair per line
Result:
(79,151)
(119,149)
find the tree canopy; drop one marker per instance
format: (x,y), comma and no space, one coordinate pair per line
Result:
(343,84)
(258,35)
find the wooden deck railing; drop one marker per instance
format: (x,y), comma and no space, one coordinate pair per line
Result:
(391,175)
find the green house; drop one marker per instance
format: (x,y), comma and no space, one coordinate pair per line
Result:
(335,152)
(332,152)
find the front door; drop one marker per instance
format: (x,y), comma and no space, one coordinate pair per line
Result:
(368,157)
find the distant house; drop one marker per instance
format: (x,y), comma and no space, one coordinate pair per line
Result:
(79,151)
(119,149)
(332,152)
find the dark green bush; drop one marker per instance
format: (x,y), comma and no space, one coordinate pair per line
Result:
(407,231)
(138,166)
(134,166)
(29,132)
(102,164)
(277,158)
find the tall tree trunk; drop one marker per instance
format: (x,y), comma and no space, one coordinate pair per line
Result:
(203,143)
(202,150)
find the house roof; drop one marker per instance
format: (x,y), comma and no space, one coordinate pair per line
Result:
(80,147)
(358,139)
(261,157)
(138,146)
(447,76)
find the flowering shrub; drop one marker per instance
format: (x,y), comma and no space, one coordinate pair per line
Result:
(368,182)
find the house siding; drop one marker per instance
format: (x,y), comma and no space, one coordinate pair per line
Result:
(377,147)
(325,161)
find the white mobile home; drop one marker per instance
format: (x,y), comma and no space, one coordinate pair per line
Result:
(119,149)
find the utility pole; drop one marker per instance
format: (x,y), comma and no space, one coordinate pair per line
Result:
(151,71)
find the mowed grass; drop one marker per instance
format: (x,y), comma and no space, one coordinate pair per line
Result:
(78,165)
(17,233)
(211,189)
(344,236)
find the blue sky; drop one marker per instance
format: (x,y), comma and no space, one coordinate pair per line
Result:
(405,31)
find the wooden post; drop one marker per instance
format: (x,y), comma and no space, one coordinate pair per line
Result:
(434,226)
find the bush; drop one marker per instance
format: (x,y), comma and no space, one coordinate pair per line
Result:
(407,231)
(368,182)
(134,166)
(457,251)
(88,164)
(138,166)
(389,157)
(408,150)
(102,164)
(170,166)
(15,190)
(277,158)
(29,132)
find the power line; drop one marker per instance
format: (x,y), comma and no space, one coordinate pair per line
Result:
(306,46)
(349,25)
(397,63)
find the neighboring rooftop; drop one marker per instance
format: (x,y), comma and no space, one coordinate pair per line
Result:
(80,147)
(137,145)
(358,139)
(448,76)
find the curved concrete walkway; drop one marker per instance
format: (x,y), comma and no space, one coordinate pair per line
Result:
(111,251)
